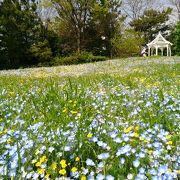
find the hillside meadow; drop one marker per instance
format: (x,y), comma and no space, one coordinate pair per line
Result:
(111,120)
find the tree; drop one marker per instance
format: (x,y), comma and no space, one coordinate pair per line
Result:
(20,28)
(128,44)
(151,22)
(133,9)
(106,22)
(73,15)
(176,4)
(41,52)
(176,39)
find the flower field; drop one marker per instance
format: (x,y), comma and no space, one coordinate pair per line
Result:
(112,120)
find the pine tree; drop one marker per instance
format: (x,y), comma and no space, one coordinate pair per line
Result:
(20,28)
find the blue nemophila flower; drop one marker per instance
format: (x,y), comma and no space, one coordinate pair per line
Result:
(136,163)
(51,149)
(162,169)
(103,156)
(102,144)
(142,170)
(101,165)
(94,139)
(35,176)
(100,177)
(90,177)
(122,160)
(85,171)
(109,177)
(129,176)
(89,162)
(141,155)
(67,148)
(123,150)
(75,174)
(155,177)
(153,171)
(117,140)
(112,134)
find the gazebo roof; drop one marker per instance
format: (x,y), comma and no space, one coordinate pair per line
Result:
(159,40)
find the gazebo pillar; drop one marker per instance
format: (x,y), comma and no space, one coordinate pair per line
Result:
(149,51)
(170,51)
(162,51)
(167,50)
(156,50)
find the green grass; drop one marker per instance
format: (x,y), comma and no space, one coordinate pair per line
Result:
(127,109)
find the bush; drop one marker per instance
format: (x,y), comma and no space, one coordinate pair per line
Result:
(127,45)
(77,58)
(41,52)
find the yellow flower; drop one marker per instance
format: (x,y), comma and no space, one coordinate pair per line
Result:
(178,171)
(146,141)
(77,159)
(63,163)
(136,128)
(54,166)
(169,142)
(12,93)
(150,151)
(89,135)
(47,176)
(83,178)
(136,135)
(38,164)
(5,131)
(168,137)
(37,152)
(64,110)
(43,159)
(41,171)
(169,170)
(74,169)
(62,172)
(9,141)
(128,129)
(74,112)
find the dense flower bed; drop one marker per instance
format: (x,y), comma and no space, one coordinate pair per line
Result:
(103,127)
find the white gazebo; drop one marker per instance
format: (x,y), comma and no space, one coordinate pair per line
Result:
(159,43)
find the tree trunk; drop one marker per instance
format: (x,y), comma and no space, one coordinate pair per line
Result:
(78,40)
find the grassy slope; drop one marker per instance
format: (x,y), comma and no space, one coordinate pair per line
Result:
(117,95)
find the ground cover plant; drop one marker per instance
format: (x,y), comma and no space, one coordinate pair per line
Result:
(110,120)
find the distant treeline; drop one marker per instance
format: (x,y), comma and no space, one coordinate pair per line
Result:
(53,32)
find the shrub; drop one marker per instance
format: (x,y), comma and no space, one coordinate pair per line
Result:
(77,58)
(41,52)
(127,45)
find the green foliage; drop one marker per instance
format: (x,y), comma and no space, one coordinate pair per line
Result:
(20,28)
(105,24)
(41,51)
(151,22)
(127,45)
(77,58)
(176,39)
